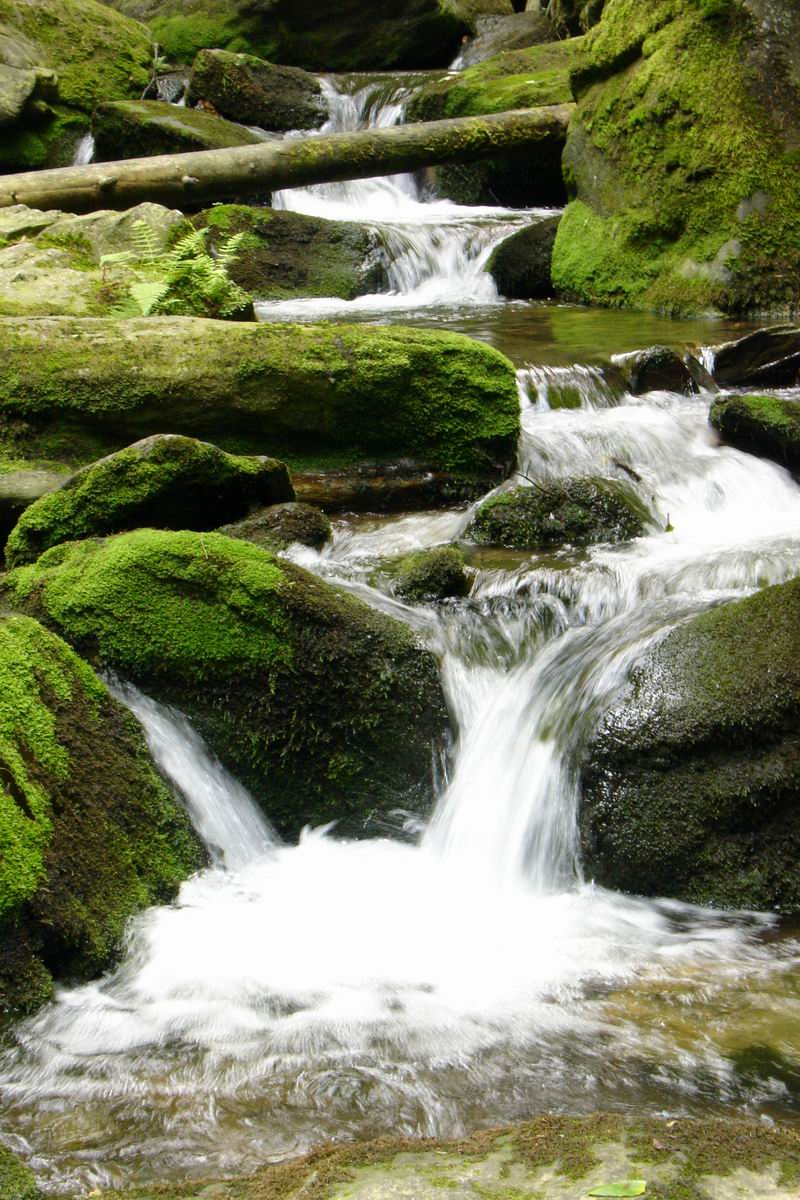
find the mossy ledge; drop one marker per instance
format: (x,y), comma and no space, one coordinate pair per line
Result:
(76,389)
(690,785)
(89,833)
(324,707)
(552,1156)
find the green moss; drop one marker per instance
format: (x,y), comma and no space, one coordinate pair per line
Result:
(80,388)
(138,128)
(685,200)
(16,1181)
(323,706)
(167,482)
(88,832)
(552,512)
(181,36)
(768,425)
(432,575)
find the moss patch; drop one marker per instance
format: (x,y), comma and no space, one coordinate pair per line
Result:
(89,833)
(323,706)
(683,161)
(139,128)
(767,425)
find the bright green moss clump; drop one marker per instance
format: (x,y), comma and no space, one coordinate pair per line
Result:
(323,706)
(691,783)
(16,1181)
(768,425)
(682,160)
(88,831)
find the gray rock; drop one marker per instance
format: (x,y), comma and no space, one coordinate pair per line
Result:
(496,34)
(18,490)
(139,128)
(281,525)
(252,91)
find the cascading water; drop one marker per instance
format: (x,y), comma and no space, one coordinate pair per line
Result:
(343,988)
(434,252)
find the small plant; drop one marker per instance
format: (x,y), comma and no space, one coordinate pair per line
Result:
(185,280)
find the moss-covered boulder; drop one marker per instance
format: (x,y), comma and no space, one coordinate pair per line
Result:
(286,255)
(141,128)
(690,786)
(436,574)
(244,88)
(682,160)
(281,525)
(520,265)
(765,425)
(324,707)
(322,395)
(767,358)
(555,512)
(80,52)
(89,833)
(320,35)
(528,78)
(165,481)
(17,1181)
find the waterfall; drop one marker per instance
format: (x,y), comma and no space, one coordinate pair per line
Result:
(230,825)
(84,151)
(434,252)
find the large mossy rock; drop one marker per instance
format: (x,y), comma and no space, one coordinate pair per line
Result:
(528,78)
(327,395)
(165,481)
(141,128)
(287,255)
(520,265)
(252,91)
(765,425)
(436,574)
(320,35)
(79,53)
(691,784)
(324,707)
(556,512)
(683,159)
(89,833)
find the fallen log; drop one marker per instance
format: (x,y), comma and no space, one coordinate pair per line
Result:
(187,180)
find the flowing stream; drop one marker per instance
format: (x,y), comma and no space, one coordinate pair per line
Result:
(463,972)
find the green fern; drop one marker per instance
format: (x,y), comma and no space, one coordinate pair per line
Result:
(182,281)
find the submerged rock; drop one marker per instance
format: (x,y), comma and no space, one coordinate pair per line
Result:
(554,512)
(252,91)
(681,160)
(553,1156)
(89,833)
(661,369)
(320,35)
(325,708)
(766,425)
(769,357)
(281,525)
(520,266)
(165,481)
(139,128)
(690,785)
(287,255)
(321,396)
(432,575)
(73,54)
(528,78)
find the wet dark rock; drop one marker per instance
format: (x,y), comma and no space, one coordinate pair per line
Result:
(660,369)
(252,91)
(765,425)
(436,574)
(554,512)
(400,486)
(141,128)
(769,357)
(497,34)
(281,525)
(690,784)
(520,266)
(164,481)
